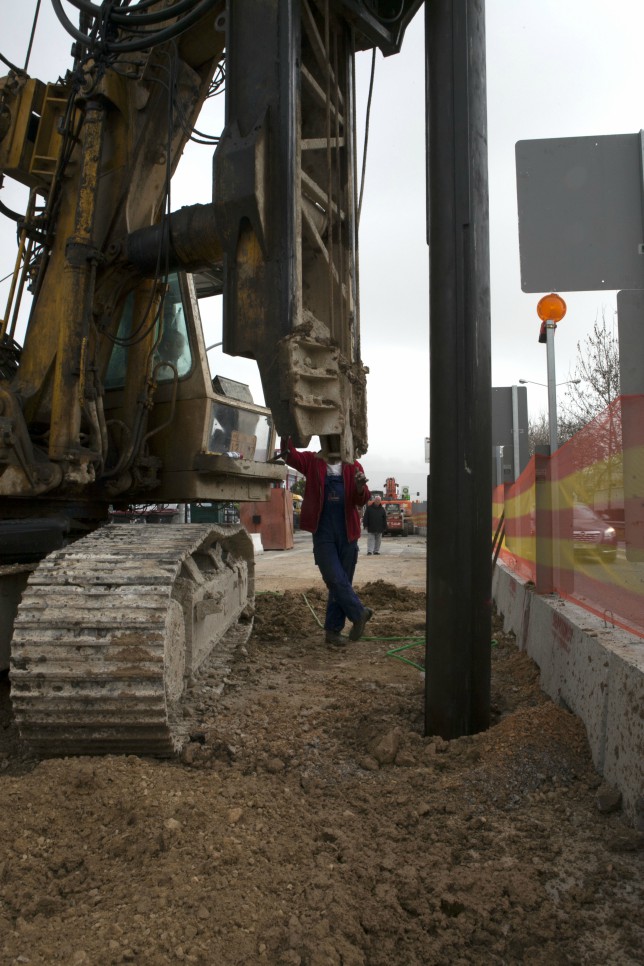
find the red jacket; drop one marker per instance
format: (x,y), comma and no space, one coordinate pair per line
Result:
(314,469)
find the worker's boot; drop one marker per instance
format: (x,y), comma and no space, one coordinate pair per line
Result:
(357,630)
(335,639)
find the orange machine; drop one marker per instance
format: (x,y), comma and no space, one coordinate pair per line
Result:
(399,519)
(391,489)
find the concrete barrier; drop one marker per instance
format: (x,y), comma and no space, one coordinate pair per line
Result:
(590,667)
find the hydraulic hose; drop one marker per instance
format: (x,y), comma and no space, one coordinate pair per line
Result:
(194,10)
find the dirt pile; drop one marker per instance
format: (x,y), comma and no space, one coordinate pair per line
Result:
(312,824)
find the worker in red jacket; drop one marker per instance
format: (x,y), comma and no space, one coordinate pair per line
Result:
(332,494)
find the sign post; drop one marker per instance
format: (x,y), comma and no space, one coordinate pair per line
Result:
(551,309)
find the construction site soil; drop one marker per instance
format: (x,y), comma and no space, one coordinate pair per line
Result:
(311,823)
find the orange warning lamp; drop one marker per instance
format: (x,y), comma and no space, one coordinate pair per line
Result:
(551,308)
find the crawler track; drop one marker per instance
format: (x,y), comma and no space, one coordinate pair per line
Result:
(111,628)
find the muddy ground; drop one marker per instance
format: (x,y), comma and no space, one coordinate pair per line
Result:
(311,823)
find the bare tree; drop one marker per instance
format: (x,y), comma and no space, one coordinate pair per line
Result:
(597,368)
(591,419)
(597,371)
(538,432)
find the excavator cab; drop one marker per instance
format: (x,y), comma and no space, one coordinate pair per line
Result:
(203,438)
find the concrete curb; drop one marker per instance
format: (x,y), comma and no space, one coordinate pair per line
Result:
(590,667)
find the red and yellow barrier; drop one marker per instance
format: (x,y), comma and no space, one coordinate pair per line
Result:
(574,522)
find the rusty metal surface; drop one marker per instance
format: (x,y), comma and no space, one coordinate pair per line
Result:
(109,629)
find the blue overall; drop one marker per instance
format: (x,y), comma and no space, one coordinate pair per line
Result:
(336,558)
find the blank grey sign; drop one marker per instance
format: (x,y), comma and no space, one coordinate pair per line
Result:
(580,213)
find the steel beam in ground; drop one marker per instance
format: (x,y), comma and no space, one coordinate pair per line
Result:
(460,490)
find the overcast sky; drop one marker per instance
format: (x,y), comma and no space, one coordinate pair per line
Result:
(554,69)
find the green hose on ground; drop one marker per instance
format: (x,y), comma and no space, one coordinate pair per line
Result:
(413,641)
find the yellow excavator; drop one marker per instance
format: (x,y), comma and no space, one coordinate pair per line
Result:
(108,401)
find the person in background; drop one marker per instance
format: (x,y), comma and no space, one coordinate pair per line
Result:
(332,495)
(374,522)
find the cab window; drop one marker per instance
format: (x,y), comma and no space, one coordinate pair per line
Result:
(173,348)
